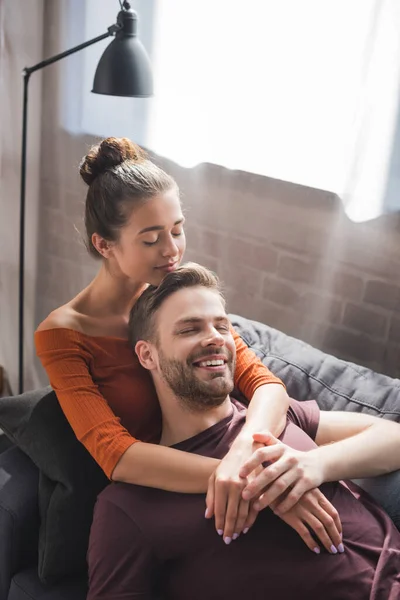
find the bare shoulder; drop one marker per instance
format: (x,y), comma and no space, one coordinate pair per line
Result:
(64,317)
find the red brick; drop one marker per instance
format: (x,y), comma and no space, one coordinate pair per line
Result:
(343,284)
(320,308)
(212,243)
(280,292)
(295,269)
(391,361)
(302,240)
(203,259)
(383,294)
(394,330)
(236,251)
(265,258)
(241,278)
(368,261)
(193,238)
(365,320)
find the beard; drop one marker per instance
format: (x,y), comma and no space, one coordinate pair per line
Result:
(196,394)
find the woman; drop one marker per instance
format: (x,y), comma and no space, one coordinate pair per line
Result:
(135,226)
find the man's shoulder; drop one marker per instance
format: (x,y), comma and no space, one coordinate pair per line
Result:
(305,415)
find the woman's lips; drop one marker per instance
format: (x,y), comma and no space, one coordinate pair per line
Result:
(168,267)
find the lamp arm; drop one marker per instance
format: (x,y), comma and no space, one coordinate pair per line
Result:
(27,73)
(48,61)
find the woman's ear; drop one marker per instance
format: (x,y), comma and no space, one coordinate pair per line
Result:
(102,246)
(146,354)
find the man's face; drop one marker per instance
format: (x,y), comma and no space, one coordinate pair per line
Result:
(195,349)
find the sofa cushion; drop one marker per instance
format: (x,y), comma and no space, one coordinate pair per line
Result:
(69,480)
(19,515)
(311,374)
(26,586)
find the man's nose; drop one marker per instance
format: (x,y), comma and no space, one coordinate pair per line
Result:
(170,249)
(213,338)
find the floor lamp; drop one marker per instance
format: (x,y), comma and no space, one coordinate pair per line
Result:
(123,70)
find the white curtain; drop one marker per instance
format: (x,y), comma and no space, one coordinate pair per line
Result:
(306,92)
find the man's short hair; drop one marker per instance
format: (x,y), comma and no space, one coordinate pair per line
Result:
(142,316)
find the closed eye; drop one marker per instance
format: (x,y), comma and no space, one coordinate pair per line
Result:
(174,234)
(187,331)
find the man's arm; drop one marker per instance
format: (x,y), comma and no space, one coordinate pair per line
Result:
(356,445)
(351,445)
(121,564)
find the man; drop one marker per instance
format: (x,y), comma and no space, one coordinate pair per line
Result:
(146,542)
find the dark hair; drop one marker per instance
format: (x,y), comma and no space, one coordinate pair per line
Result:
(119,175)
(141,318)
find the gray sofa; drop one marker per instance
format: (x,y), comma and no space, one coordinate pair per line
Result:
(307,373)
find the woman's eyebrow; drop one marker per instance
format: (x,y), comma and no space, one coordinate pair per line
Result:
(159,227)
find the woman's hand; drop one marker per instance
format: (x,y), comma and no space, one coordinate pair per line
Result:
(313,511)
(290,471)
(233,514)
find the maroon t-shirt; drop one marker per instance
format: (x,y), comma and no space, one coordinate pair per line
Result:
(147,543)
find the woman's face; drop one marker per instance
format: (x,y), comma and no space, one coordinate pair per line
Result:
(152,242)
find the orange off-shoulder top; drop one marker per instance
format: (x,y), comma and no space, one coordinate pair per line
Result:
(109,398)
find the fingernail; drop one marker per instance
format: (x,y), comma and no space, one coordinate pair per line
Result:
(246,529)
(206,513)
(235,536)
(340,548)
(333,549)
(316,550)
(227,540)
(220,531)
(245,495)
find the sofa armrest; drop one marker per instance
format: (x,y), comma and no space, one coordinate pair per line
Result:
(19,515)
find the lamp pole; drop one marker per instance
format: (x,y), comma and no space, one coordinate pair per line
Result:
(27,72)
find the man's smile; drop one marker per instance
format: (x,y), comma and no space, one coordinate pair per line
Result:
(213,362)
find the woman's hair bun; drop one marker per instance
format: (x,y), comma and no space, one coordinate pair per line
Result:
(108,154)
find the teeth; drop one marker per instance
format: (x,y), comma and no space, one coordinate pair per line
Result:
(212,363)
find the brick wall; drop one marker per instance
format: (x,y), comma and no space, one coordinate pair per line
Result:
(288,255)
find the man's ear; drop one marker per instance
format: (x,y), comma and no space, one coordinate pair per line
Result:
(146,354)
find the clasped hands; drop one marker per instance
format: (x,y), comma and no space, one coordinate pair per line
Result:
(243,484)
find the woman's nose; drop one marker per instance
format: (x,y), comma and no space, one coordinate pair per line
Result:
(170,249)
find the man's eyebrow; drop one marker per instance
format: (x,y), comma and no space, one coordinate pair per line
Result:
(194,320)
(159,227)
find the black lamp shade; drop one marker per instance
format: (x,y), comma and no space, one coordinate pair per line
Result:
(124,68)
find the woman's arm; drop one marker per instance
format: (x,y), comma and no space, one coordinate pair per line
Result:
(121,456)
(268,405)
(266,393)
(161,467)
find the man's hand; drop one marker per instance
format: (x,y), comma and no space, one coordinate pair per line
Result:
(313,511)
(233,514)
(289,469)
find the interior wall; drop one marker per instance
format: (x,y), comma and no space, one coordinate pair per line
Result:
(21,45)
(287,254)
